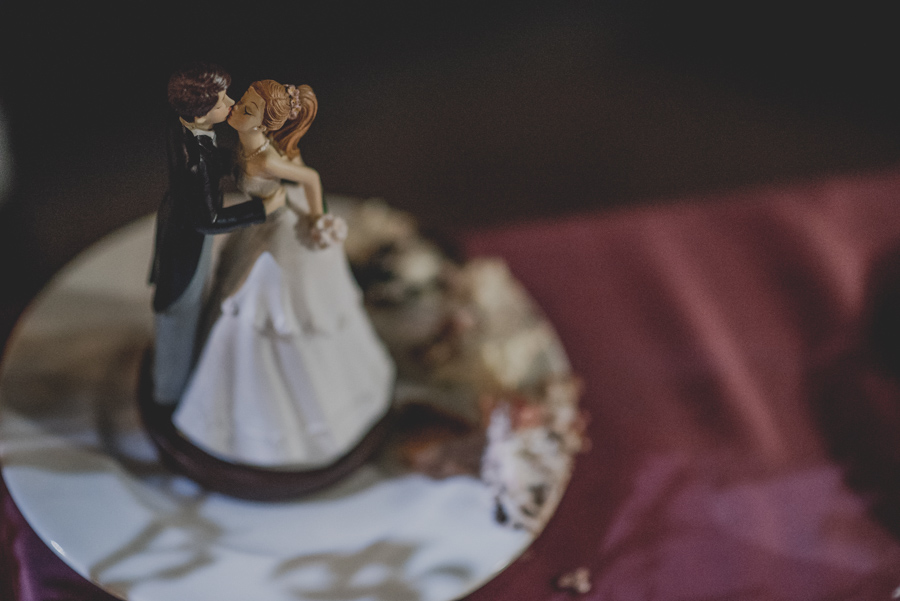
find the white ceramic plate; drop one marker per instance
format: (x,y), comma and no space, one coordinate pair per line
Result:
(87,480)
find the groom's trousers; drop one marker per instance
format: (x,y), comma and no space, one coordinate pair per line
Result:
(176,334)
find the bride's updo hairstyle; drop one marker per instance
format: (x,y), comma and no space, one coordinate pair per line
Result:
(290,111)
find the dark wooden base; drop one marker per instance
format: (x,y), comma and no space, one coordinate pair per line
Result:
(234,479)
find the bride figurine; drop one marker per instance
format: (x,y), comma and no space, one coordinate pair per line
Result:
(291,376)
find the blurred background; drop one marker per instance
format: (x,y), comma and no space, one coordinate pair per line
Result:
(468,114)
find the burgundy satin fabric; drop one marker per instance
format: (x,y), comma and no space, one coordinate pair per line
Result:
(29,570)
(704,332)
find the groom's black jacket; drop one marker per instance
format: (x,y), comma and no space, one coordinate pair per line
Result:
(191,208)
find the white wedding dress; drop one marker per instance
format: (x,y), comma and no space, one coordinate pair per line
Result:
(292,374)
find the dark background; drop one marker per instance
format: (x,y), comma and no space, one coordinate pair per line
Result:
(468,114)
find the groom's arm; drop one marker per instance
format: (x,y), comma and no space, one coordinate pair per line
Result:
(214,217)
(231,218)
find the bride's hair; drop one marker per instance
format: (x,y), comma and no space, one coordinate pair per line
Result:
(280,104)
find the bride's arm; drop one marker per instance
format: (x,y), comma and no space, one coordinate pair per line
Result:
(276,166)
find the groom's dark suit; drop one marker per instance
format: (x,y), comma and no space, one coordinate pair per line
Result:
(191,208)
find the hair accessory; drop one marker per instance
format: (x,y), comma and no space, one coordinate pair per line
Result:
(294,93)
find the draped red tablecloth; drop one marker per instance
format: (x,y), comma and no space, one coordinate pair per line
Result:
(708,334)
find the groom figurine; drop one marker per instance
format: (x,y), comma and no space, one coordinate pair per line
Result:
(190,213)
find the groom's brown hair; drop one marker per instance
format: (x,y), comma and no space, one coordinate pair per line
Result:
(194,89)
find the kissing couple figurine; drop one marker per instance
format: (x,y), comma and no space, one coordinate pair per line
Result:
(286,375)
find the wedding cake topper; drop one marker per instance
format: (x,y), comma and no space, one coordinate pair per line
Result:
(282,388)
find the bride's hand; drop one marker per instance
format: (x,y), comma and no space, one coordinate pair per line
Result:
(319,231)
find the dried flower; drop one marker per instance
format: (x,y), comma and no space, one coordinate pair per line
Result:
(576,581)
